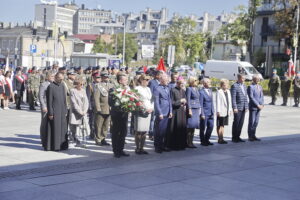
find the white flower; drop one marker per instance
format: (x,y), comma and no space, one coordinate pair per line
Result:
(117,104)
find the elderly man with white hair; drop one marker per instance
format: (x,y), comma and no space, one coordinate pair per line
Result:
(207,113)
(256,104)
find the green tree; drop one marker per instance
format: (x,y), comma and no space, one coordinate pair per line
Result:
(100,46)
(189,45)
(131,46)
(285,19)
(240,32)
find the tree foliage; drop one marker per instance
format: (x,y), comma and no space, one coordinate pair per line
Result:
(285,18)
(131,46)
(189,45)
(100,46)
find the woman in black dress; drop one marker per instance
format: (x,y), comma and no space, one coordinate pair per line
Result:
(176,138)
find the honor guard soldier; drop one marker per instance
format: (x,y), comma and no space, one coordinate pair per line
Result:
(285,88)
(274,86)
(33,88)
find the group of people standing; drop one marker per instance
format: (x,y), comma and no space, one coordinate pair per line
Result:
(76,104)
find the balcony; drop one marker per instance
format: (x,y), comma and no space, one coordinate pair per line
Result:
(268,8)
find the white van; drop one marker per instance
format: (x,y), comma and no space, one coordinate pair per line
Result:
(229,69)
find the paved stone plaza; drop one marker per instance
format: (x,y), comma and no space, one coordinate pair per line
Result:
(252,171)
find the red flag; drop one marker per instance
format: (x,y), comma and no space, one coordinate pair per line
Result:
(291,68)
(145,69)
(161,65)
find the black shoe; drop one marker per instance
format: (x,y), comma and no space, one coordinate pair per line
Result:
(204,144)
(166,149)
(284,104)
(144,152)
(222,142)
(235,140)
(251,139)
(99,144)
(271,103)
(104,143)
(138,152)
(240,140)
(32,108)
(209,143)
(158,151)
(124,154)
(256,139)
(116,155)
(296,105)
(151,138)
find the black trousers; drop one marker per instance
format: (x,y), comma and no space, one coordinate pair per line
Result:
(18,99)
(238,122)
(118,131)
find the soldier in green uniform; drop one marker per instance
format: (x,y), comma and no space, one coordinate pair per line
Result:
(88,75)
(285,88)
(113,77)
(69,84)
(296,83)
(34,81)
(102,109)
(274,86)
(80,75)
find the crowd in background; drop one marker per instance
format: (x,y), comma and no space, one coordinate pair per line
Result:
(76,104)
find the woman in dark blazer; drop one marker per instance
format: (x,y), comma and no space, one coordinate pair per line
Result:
(193,110)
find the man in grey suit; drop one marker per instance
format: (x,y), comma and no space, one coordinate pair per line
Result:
(43,103)
(256,104)
(240,107)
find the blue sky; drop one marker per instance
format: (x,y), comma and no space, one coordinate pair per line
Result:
(23,10)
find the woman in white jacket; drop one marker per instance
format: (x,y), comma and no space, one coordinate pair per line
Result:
(223,108)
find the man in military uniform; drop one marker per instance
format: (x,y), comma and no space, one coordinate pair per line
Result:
(69,84)
(90,90)
(88,75)
(285,88)
(296,84)
(33,88)
(273,86)
(113,77)
(81,75)
(102,109)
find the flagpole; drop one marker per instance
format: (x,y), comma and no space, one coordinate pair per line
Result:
(296,37)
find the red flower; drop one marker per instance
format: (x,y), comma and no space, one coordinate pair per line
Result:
(138,104)
(131,99)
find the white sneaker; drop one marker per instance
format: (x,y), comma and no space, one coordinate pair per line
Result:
(6,108)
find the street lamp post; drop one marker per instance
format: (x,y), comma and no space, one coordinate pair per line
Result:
(124,36)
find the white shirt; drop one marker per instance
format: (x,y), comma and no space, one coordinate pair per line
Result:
(146,96)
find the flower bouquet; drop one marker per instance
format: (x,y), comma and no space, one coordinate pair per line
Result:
(128,100)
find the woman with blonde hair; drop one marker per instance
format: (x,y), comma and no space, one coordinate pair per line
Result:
(193,110)
(78,113)
(223,108)
(142,123)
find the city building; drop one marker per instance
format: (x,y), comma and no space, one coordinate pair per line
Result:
(49,15)
(85,19)
(265,41)
(27,46)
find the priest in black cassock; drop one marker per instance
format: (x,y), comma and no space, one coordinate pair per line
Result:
(56,139)
(176,137)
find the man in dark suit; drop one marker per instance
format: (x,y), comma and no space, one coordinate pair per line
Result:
(152,85)
(207,113)
(240,107)
(163,111)
(119,120)
(256,104)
